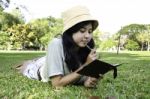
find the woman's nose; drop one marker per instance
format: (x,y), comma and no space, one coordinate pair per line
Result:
(87,35)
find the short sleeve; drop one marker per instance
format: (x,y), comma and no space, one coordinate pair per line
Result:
(54,59)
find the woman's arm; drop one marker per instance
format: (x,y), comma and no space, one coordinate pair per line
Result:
(60,81)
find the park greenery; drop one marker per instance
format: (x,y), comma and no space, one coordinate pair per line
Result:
(132,82)
(133,42)
(16,34)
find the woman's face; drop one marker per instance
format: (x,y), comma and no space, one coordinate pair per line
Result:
(83,36)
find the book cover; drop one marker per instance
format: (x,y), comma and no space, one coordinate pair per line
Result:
(98,67)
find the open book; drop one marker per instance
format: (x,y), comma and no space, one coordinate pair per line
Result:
(98,67)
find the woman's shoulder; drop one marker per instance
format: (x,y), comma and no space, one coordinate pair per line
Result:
(56,41)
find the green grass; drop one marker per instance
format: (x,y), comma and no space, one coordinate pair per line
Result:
(133,81)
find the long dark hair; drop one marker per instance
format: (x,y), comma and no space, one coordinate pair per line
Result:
(74,58)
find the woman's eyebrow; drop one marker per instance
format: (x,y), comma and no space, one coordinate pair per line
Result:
(86,27)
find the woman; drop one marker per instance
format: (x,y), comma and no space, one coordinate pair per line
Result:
(69,53)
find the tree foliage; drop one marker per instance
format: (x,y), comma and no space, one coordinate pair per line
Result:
(34,35)
(132,45)
(96,35)
(138,33)
(19,35)
(16,34)
(4,4)
(45,29)
(109,44)
(7,20)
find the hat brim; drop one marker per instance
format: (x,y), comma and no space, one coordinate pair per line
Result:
(80,19)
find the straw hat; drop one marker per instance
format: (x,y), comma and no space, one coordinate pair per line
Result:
(76,15)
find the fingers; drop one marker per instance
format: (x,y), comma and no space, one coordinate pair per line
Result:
(91,82)
(91,57)
(93,54)
(92,79)
(93,51)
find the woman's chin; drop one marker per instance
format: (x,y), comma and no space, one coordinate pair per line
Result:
(82,45)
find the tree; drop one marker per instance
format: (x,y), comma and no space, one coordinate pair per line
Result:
(4,40)
(109,44)
(148,37)
(17,13)
(34,35)
(131,45)
(132,32)
(96,35)
(7,20)
(142,37)
(4,4)
(45,29)
(19,36)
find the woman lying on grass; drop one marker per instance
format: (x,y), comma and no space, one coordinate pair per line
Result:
(67,54)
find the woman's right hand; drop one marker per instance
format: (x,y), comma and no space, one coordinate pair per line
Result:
(91,82)
(91,57)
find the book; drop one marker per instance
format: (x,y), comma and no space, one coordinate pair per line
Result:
(97,67)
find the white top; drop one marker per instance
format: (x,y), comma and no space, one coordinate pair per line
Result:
(55,62)
(50,65)
(55,58)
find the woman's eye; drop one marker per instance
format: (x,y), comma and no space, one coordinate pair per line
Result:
(90,31)
(82,30)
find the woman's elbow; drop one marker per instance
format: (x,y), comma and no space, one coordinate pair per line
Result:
(57,84)
(56,81)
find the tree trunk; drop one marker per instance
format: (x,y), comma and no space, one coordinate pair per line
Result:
(148,46)
(142,46)
(118,48)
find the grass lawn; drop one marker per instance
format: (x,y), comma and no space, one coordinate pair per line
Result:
(133,81)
